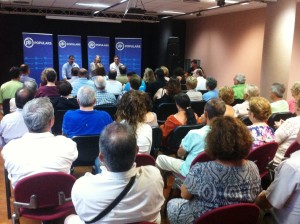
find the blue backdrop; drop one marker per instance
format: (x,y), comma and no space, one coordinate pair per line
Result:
(130,52)
(98,46)
(68,45)
(38,53)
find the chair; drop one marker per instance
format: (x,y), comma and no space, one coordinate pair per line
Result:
(277,117)
(246,121)
(6,106)
(144,160)
(245,213)
(198,107)
(59,117)
(295,146)
(43,196)
(262,156)
(156,141)
(7,193)
(111,109)
(88,149)
(164,110)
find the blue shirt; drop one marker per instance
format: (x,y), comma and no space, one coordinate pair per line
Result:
(66,70)
(210,95)
(142,86)
(79,83)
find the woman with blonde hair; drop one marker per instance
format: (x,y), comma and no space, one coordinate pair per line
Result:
(149,77)
(295,90)
(191,84)
(227,95)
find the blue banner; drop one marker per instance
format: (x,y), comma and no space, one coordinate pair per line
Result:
(38,53)
(68,45)
(98,46)
(129,51)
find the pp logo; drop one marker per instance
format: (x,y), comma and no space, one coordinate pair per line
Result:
(91,44)
(62,44)
(120,46)
(28,42)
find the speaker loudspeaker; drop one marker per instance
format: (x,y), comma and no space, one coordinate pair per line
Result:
(173,46)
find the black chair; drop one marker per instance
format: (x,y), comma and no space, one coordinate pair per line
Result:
(164,110)
(277,117)
(246,121)
(8,193)
(6,106)
(203,91)
(198,107)
(237,101)
(59,117)
(156,141)
(111,109)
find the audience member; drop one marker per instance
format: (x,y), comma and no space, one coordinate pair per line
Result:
(191,83)
(211,85)
(39,150)
(85,120)
(201,81)
(229,179)
(278,103)
(82,81)
(99,71)
(160,82)
(194,66)
(122,78)
(179,74)
(25,72)
(227,95)
(166,72)
(74,75)
(93,65)
(295,90)
(112,85)
(239,86)
(259,111)
(141,86)
(50,89)
(12,125)
(116,65)
(102,96)
(132,110)
(66,68)
(148,78)
(91,194)
(150,117)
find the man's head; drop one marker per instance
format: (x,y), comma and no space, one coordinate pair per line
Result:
(211,83)
(214,108)
(38,115)
(14,72)
(74,71)
(71,59)
(194,64)
(100,82)
(277,91)
(51,75)
(64,88)
(22,96)
(25,70)
(86,96)
(116,59)
(118,147)
(123,70)
(112,74)
(135,82)
(83,73)
(31,85)
(239,79)
(97,59)
(198,72)
(250,91)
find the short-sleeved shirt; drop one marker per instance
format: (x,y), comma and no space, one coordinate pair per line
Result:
(9,89)
(239,91)
(280,106)
(76,85)
(103,97)
(210,95)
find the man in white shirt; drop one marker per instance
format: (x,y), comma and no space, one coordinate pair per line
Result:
(116,65)
(91,194)
(112,85)
(66,68)
(38,151)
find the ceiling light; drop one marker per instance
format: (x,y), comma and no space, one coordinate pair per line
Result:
(81,18)
(173,12)
(96,5)
(123,1)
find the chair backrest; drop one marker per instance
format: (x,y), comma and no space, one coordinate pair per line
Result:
(179,133)
(237,101)
(246,121)
(295,146)
(144,160)
(108,108)
(88,149)
(277,117)
(198,107)
(6,106)
(156,141)
(164,110)
(202,157)
(245,213)
(262,155)
(59,117)
(45,186)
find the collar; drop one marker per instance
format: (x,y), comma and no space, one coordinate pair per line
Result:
(120,175)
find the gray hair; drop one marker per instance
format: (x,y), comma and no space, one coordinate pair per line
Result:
(251,91)
(37,114)
(31,85)
(240,78)
(100,82)
(278,89)
(86,96)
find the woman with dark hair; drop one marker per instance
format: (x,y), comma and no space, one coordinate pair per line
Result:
(50,89)
(160,82)
(150,117)
(229,179)
(184,116)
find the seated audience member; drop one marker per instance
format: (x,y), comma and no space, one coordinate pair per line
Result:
(148,78)
(295,90)
(282,196)
(150,117)
(85,120)
(122,78)
(239,86)
(25,72)
(95,64)
(278,103)
(132,110)
(211,85)
(227,95)
(229,179)
(241,109)
(50,89)
(191,83)
(99,71)
(179,74)
(74,75)
(193,143)
(143,202)
(184,116)
(39,150)
(102,96)
(66,101)
(82,80)
(12,125)
(112,85)
(259,111)
(201,81)
(166,73)
(135,82)
(160,82)
(131,75)
(286,134)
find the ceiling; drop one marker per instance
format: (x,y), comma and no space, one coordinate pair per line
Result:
(115,9)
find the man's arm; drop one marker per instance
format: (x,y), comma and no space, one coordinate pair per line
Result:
(181,152)
(262,201)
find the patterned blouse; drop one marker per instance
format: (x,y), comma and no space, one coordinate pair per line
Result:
(261,135)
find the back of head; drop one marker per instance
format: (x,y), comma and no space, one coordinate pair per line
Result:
(191,82)
(86,96)
(214,108)
(112,74)
(178,71)
(51,75)
(296,90)
(198,72)
(74,71)
(135,82)
(159,73)
(83,73)
(100,82)
(37,114)
(31,85)
(234,139)
(64,88)
(184,102)
(240,78)
(118,147)
(226,94)
(149,76)
(24,69)
(14,72)
(278,89)
(99,71)
(22,96)
(260,107)
(211,83)
(166,70)
(173,86)
(123,70)
(251,91)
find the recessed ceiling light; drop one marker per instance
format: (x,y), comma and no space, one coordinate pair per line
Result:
(172,12)
(96,5)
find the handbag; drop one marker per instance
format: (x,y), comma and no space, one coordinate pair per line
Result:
(114,202)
